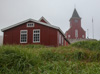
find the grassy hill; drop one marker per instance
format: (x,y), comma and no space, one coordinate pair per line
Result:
(78,58)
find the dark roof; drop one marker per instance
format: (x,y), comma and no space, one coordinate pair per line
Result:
(75,14)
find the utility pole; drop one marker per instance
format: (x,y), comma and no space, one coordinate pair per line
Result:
(92,28)
(87,33)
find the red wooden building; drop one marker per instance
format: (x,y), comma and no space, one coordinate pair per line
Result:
(75,31)
(32,31)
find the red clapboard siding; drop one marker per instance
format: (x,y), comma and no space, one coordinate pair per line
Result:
(49,35)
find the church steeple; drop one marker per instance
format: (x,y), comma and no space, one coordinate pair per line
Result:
(75,14)
(75,31)
(75,20)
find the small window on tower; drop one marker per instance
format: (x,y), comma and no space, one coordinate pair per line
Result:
(76,21)
(76,33)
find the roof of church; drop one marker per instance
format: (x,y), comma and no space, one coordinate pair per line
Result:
(75,14)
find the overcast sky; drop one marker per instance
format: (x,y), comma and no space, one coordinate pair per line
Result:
(57,12)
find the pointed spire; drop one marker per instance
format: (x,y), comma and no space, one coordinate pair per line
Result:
(75,14)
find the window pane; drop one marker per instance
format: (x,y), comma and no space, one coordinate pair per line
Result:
(30,24)
(76,33)
(23,36)
(36,35)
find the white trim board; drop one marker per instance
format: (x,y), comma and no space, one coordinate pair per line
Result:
(20,23)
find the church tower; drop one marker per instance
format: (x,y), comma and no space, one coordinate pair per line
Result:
(75,31)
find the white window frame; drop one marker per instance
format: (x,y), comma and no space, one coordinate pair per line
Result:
(59,38)
(76,21)
(26,36)
(36,33)
(30,26)
(76,33)
(62,41)
(68,36)
(82,36)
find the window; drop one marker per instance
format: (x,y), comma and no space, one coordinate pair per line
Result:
(76,21)
(62,40)
(76,33)
(30,24)
(68,36)
(59,38)
(36,35)
(23,36)
(83,36)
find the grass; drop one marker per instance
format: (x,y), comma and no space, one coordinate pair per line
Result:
(78,58)
(92,45)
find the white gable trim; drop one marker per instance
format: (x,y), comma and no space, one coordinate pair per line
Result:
(44,20)
(9,27)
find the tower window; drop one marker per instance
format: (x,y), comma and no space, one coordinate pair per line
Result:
(76,33)
(76,21)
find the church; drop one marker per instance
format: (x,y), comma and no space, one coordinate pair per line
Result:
(75,31)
